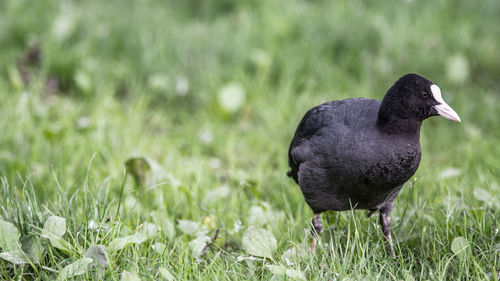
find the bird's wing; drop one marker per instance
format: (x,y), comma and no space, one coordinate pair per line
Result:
(328,122)
(314,120)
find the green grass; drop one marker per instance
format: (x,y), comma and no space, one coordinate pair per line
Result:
(111,85)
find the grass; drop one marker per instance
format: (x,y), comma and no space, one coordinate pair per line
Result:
(86,86)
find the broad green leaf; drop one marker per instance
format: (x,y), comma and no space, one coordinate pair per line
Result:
(166,225)
(159,247)
(9,236)
(9,243)
(408,276)
(276,269)
(450,173)
(98,254)
(294,274)
(59,243)
(79,267)
(217,194)
(295,253)
(166,274)
(15,257)
(130,276)
(263,214)
(120,243)
(458,245)
(55,225)
(150,229)
(483,195)
(257,216)
(191,227)
(282,271)
(125,231)
(33,248)
(259,242)
(231,97)
(197,245)
(54,229)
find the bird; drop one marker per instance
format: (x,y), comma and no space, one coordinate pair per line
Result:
(358,153)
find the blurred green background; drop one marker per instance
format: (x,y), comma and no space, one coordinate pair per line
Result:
(208,93)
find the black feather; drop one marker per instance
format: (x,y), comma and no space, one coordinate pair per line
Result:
(359,152)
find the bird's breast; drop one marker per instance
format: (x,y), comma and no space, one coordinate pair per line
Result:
(395,166)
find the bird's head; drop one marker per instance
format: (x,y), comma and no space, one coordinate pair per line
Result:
(415,97)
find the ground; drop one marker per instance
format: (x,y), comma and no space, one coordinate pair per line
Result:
(160,129)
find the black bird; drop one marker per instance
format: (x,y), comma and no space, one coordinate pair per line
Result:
(357,153)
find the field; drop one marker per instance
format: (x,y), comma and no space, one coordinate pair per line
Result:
(160,130)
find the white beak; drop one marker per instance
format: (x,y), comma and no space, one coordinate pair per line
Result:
(443,108)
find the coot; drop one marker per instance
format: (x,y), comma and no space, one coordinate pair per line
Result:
(357,153)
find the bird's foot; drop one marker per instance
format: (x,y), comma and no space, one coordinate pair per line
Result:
(390,249)
(315,231)
(385,222)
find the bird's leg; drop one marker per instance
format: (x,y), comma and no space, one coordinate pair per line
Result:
(385,222)
(316,230)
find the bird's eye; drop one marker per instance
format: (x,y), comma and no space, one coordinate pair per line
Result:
(425,94)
